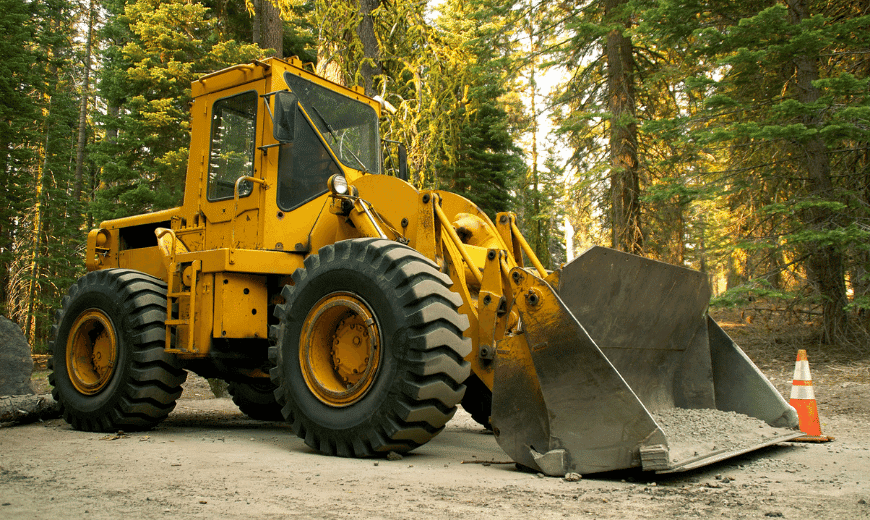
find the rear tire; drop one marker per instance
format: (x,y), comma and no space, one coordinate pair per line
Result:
(109,368)
(257,401)
(369,350)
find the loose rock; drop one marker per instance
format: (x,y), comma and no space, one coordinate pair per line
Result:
(393,456)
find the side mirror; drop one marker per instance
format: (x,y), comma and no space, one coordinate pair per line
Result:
(403,163)
(285,116)
(395,159)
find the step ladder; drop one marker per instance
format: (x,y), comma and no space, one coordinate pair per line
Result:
(180,293)
(183,299)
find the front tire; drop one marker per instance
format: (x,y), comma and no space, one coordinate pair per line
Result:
(369,350)
(109,368)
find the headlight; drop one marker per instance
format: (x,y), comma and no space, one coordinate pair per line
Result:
(338,185)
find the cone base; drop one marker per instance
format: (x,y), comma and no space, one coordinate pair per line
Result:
(813,438)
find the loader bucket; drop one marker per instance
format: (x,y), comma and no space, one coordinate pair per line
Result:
(619,366)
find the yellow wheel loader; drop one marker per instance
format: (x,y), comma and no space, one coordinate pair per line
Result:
(306,271)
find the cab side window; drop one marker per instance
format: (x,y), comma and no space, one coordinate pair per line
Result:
(232,145)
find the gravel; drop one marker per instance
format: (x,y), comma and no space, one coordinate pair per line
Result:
(696,433)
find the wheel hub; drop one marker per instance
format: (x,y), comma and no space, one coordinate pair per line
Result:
(91,350)
(350,349)
(339,349)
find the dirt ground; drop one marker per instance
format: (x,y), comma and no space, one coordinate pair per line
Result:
(207,460)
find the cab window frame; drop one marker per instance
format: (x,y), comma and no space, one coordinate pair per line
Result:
(218,185)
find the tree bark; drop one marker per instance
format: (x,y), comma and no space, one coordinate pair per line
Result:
(256,23)
(624,165)
(27,408)
(540,242)
(83,109)
(269,27)
(7,221)
(371,65)
(825,264)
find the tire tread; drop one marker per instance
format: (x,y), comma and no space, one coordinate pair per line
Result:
(432,326)
(148,395)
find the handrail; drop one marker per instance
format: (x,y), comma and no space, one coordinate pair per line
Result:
(161,232)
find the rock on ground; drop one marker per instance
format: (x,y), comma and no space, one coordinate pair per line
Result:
(16,365)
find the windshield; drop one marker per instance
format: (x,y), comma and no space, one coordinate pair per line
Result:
(349,126)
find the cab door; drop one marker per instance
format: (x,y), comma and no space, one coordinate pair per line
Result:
(236,128)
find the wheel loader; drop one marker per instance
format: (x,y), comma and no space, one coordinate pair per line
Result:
(306,271)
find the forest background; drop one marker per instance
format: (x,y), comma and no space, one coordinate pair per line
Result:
(730,137)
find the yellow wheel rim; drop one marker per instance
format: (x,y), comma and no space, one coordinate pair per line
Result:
(340,349)
(91,350)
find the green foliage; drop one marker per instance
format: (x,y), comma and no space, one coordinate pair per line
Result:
(41,222)
(19,135)
(445,80)
(482,163)
(752,125)
(789,118)
(747,294)
(144,155)
(487,162)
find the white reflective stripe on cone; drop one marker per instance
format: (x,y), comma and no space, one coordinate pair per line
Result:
(802,371)
(802,392)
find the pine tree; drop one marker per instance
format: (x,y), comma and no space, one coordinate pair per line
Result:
(785,92)
(485,164)
(144,153)
(540,197)
(19,114)
(48,226)
(785,111)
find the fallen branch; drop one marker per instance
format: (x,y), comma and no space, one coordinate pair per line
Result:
(27,408)
(775,309)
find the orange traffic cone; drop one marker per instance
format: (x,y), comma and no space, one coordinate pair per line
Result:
(804,401)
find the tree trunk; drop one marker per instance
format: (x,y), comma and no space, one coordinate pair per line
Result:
(42,175)
(83,110)
(38,218)
(7,220)
(269,27)
(371,65)
(535,224)
(255,23)
(624,165)
(329,64)
(825,264)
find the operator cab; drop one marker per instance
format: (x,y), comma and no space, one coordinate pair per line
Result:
(274,136)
